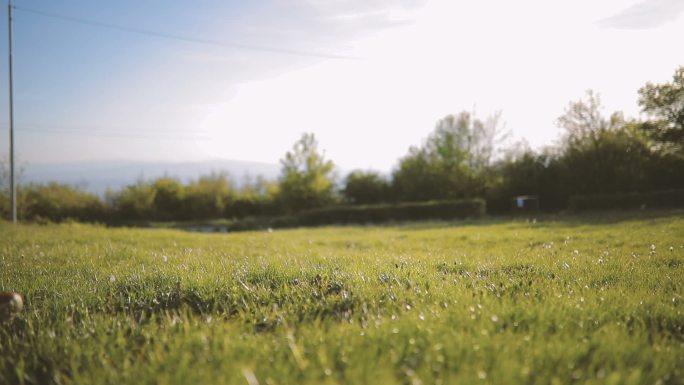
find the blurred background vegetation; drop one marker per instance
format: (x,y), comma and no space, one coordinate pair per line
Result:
(610,157)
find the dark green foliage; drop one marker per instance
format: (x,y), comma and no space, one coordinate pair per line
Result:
(365,187)
(453,163)
(665,103)
(527,174)
(245,206)
(57,202)
(306,179)
(168,198)
(134,202)
(416,179)
(255,198)
(394,212)
(208,197)
(666,171)
(666,198)
(164,199)
(601,155)
(597,156)
(608,161)
(364,214)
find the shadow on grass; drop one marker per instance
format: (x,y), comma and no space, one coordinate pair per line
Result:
(258,299)
(542,220)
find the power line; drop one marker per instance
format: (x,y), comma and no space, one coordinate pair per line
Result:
(187,39)
(105,129)
(114,135)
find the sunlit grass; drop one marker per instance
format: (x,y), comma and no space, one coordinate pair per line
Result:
(556,301)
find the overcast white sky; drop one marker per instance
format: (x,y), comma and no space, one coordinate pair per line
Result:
(373,79)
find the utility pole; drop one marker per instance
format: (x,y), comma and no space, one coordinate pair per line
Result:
(13,187)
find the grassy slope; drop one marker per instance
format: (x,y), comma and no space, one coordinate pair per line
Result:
(571,301)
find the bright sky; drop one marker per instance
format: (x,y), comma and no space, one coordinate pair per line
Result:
(369,78)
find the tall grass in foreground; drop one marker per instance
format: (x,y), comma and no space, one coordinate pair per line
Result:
(552,302)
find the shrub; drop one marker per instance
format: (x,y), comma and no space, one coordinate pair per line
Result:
(206,198)
(58,202)
(393,212)
(366,187)
(663,198)
(248,206)
(134,202)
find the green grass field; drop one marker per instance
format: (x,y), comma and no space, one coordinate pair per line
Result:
(570,300)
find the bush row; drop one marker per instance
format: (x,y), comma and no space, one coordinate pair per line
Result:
(663,198)
(379,213)
(55,202)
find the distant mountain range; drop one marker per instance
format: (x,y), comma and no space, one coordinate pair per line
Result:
(98,176)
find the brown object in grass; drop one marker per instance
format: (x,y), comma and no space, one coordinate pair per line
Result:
(10,304)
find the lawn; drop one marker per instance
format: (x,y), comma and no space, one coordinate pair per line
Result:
(561,300)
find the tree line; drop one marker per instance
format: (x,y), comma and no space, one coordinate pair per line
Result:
(461,159)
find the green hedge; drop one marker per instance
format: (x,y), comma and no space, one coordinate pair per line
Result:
(393,212)
(665,198)
(55,202)
(260,223)
(378,213)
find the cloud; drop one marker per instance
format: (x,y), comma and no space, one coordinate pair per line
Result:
(645,15)
(367,13)
(327,23)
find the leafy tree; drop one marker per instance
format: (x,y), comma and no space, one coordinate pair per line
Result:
(601,155)
(208,197)
(306,179)
(417,178)
(584,123)
(463,139)
(615,161)
(665,103)
(258,187)
(365,187)
(57,202)
(168,198)
(521,174)
(454,161)
(133,202)
(256,197)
